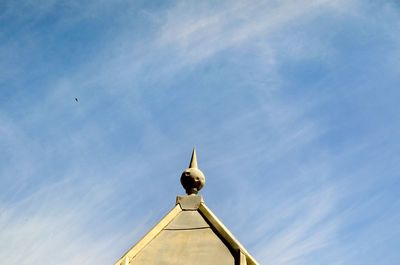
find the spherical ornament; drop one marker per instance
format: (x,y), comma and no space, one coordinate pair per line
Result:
(192,180)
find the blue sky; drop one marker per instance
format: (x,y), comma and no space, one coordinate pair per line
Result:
(292,105)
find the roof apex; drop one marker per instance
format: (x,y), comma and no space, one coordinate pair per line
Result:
(192,203)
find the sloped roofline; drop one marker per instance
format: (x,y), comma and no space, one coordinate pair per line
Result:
(190,203)
(245,257)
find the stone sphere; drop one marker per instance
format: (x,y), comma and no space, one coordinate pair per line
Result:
(192,180)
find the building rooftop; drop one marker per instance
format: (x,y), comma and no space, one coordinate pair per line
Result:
(189,234)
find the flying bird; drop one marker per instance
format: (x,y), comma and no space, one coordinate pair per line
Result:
(76,99)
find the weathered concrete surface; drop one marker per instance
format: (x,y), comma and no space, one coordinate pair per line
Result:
(189,234)
(182,247)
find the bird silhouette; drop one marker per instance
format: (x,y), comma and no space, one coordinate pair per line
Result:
(76,99)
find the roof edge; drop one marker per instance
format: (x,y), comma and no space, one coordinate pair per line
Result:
(225,233)
(190,203)
(132,252)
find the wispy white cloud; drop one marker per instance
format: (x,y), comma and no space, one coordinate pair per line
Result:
(306,228)
(195,32)
(77,194)
(54,223)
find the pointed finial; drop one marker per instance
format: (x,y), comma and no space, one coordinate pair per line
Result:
(193,160)
(192,178)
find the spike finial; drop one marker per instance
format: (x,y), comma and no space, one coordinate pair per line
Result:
(192,178)
(193,160)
